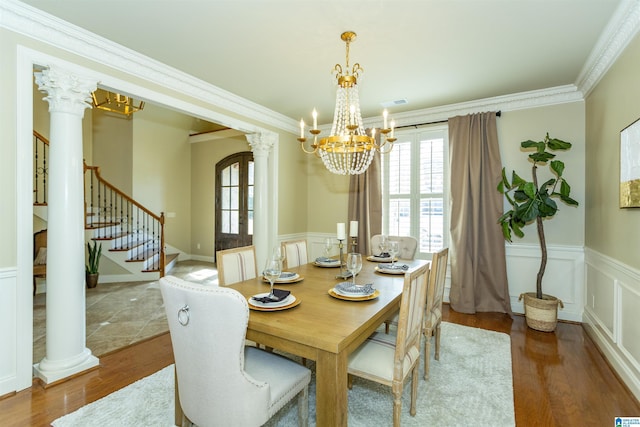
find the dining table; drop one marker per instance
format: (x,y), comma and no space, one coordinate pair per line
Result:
(323,326)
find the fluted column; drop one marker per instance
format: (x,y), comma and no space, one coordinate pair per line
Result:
(263,205)
(68,96)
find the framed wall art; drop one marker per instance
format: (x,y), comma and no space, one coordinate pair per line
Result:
(630,166)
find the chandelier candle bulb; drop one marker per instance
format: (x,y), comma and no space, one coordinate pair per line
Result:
(385,113)
(341,231)
(393,125)
(353,229)
(301,128)
(315,119)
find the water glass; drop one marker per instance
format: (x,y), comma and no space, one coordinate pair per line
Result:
(354,264)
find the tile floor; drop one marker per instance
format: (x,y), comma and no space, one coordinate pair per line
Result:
(120,314)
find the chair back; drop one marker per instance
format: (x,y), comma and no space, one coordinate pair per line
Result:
(412,308)
(295,253)
(408,245)
(40,242)
(208,325)
(435,295)
(237,264)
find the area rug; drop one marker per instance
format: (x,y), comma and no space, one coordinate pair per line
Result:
(470,384)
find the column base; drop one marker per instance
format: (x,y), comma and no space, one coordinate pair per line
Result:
(53,372)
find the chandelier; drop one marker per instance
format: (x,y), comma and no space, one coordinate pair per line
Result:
(348,150)
(115,102)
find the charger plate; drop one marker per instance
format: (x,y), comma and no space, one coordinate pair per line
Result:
(259,306)
(295,278)
(374,258)
(327,264)
(374,295)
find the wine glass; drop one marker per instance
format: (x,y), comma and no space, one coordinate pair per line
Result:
(272,271)
(354,264)
(278,253)
(394,249)
(328,246)
(383,244)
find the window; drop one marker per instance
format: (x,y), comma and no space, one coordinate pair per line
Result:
(414,187)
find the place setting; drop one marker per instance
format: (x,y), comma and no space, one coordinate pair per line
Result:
(275,299)
(389,250)
(350,291)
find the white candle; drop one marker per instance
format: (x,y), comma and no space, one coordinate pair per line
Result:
(315,119)
(385,113)
(373,133)
(341,231)
(393,125)
(301,128)
(353,229)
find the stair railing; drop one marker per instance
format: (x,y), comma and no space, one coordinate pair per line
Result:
(112,213)
(40,168)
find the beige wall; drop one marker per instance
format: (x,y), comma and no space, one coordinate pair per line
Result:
(327,197)
(612,106)
(161,170)
(565,122)
(294,213)
(112,148)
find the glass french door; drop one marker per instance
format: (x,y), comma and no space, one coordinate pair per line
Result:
(234,201)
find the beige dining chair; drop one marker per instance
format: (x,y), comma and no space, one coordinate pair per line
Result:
(408,245)
(220,381)
(433,314)
(236,264)
(388,359)
(295,253)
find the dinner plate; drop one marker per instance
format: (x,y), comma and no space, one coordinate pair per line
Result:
(286,277)
(374,258)
(327,264)
(334,294)
(344,289)
(290,299)
(390,271)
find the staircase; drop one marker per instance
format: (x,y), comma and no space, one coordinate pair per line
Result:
(132,235)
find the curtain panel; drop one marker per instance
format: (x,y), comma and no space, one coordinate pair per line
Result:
(365,204)
(477,250)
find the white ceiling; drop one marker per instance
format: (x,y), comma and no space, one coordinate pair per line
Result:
(280,53)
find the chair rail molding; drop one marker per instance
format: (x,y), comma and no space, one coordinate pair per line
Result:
(563,278)
(611,316)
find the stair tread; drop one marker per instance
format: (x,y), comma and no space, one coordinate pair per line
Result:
(144,255)
(168,259)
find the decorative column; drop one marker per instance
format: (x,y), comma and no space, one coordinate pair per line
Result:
(68,96)
(261,145)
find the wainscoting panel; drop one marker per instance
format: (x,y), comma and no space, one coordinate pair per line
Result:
(611,315)
(563,277)
(8,337)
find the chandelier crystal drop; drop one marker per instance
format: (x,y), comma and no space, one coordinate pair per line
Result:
(348,150)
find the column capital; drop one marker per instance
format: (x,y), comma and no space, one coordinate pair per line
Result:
(66,92)
(261,143)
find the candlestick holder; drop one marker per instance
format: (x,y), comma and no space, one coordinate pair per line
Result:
(343,273)
(354,243)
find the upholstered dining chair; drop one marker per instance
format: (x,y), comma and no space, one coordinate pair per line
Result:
(236,264)
(39,256)
(408,245)
(219,380)
(295,253)
(433,314)
(389,360)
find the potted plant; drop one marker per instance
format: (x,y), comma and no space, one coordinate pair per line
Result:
(93,264)
(533,202)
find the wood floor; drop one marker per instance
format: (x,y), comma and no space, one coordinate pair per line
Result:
(559,379)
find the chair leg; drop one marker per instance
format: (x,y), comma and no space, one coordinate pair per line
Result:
(437,355)
(304,362)
(349,381)
(427,352)
(386,327)
(396,387)
(303,407)
(414,390)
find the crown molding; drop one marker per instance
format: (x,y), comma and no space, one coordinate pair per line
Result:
(38,25)
(617,35)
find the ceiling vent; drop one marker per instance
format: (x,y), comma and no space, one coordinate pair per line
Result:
(394,103)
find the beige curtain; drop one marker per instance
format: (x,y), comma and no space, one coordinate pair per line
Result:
(477,250)
(365,204)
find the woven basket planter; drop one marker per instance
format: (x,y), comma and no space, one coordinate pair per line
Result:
(541,314)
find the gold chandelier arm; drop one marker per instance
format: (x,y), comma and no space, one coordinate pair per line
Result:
(383,150)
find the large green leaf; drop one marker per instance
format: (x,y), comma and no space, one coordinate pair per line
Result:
(516,180)
(541,157)
(558,167)
(557,144)
(565,188)
(539,145)
(529,189)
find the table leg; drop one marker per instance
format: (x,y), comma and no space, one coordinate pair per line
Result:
(177,418)
(331,389)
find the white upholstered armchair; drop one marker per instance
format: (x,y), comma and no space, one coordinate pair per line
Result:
(220,381)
